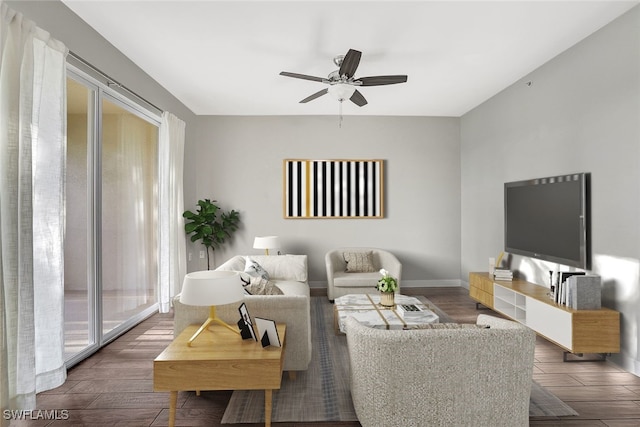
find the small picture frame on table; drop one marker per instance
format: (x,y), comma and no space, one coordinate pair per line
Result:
(268,332)
(245,324)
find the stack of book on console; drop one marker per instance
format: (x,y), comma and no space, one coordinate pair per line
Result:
(503,274)
(408,310)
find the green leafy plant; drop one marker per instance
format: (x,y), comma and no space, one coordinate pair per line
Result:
(386,283)
(210,224)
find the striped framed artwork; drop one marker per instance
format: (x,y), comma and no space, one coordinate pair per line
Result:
(333,188)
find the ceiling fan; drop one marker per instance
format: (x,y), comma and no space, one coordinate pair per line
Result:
(342,82)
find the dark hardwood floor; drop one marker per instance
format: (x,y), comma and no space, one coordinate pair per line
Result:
(114,387)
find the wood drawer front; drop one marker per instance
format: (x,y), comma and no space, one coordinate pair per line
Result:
(596,331)
(482,297)
(551,322)
(481,281)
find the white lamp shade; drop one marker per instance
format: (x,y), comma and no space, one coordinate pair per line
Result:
(341,91)
(266,242)
(211,287)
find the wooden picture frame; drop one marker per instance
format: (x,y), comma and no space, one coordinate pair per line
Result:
(333,188)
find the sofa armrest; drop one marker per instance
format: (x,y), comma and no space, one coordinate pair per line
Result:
(389,262)
(235,263)
(334,261)
(293,310)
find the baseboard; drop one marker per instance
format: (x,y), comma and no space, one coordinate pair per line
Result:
(448,283)
(626,362)
(317,284)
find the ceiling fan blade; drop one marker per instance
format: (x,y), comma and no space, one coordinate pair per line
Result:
(358,99)
(382,80)
(315,95)
(350,63)
(302,76)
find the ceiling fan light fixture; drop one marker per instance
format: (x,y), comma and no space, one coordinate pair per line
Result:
(341,91)
(342,82)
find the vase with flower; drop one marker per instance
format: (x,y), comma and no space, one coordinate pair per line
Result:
(387,286)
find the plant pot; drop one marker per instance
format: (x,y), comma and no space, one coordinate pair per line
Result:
(387,299)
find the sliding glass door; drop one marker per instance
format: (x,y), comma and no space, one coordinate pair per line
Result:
(79,281)
(129,215)
(111,242)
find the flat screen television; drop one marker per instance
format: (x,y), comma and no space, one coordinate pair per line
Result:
(548,219)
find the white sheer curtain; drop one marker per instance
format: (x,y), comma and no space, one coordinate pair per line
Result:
(129,213)
(32,168)
(172,235)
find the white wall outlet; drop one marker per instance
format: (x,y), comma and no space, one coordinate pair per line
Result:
(201,254)
(190,256)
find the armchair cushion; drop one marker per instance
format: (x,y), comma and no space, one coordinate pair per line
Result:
(352,280)
(359,262)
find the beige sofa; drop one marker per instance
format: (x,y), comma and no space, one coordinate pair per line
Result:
(442,377)
(289,272)
(340,282)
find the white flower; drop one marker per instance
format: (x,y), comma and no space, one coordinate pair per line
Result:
(384,272)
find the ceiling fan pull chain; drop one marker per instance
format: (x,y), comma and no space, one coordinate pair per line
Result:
(340,123)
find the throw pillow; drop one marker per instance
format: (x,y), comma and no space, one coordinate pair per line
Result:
(260,286)
(254,269)
(359,262)
(246,281)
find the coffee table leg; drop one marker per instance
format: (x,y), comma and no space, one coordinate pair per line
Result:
(268,395)
(173,400)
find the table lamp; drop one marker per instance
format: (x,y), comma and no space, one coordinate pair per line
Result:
(211,288)
(266,243)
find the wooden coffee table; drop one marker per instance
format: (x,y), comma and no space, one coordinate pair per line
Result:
(218,360)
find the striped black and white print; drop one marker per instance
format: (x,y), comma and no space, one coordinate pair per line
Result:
(333,188)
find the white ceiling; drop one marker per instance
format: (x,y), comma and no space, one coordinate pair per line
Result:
(223,57)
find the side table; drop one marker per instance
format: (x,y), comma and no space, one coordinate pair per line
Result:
(218,360)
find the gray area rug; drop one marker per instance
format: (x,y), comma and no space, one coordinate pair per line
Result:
(322,392)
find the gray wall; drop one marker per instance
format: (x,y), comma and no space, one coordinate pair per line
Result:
(240,163)
(580,114)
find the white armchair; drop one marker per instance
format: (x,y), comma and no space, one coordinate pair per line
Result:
(340,282)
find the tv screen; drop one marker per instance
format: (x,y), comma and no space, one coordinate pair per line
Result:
(547,218)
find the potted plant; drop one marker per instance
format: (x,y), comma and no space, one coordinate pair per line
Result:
(387,286)
(206,225)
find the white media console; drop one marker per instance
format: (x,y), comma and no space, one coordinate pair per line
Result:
(576,331)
